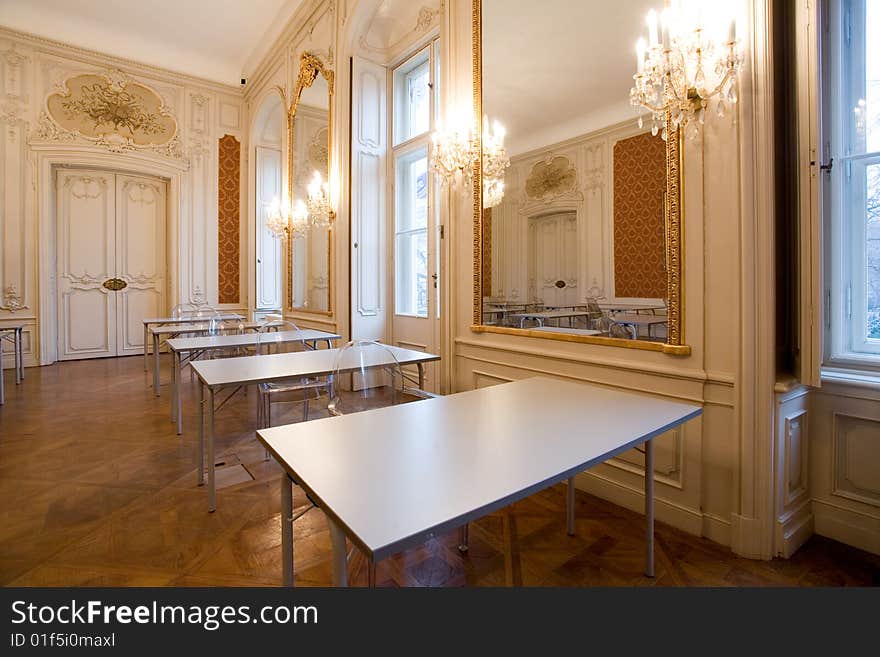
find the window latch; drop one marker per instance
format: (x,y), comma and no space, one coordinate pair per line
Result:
(827,165)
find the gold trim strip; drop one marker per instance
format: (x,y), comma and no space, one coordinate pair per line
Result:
(309,67)
(643,345)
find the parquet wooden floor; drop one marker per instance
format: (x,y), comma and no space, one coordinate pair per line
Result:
(96,489)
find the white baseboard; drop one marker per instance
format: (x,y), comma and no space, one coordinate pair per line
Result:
(793,529)
(688,520)
(851,527)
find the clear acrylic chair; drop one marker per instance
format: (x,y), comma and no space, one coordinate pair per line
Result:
(368,375)
(228,325)
(596,313)
(183,311)
(282,337)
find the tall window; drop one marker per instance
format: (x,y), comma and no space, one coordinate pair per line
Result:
(414,90)
(852,96)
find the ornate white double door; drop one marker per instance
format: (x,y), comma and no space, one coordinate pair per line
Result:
(110,267)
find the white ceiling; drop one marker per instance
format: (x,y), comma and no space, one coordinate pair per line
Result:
(213,39)
(556,69)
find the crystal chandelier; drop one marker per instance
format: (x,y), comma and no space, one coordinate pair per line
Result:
(453,155)
(455,151)
(318,205)
(282,221)
(697,58)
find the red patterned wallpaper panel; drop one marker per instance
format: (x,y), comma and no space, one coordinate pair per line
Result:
(639,189)
(487,252)
(228,204)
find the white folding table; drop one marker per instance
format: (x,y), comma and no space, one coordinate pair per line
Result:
(168,331)
(214,375)
(13,334)
(634,321)
(394,477)
(150,322)
(544,315)
(186,350)
(565,329)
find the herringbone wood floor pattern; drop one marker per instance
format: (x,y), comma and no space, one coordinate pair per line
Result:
(97,490)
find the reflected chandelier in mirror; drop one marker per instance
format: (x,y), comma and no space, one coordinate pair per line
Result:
(307,210)
(584,243)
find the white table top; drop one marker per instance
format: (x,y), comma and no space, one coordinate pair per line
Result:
(186,320)
(624,318)
(193,327)
(395,476)
(246,339)
(552,314)
(630,306)
(565,329)
(273,367)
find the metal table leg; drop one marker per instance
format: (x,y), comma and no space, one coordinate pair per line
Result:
(463,539)
(178,395)
(340,555)
(156,364)
(19,356)
(146,347)
(173,389)
(649,507)
(421,367)
(286,531)
(212,490)
(570,506)
(201,433)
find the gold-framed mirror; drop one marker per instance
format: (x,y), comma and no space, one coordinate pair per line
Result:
(310,240)
(583,240)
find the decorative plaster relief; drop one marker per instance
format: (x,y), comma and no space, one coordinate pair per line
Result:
(550,178)
(12,299)
(109,110)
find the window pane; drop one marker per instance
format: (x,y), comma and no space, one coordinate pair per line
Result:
(412,191)
(872,251)
(412,97)
(411,229)
(872,76)
(861,77)
(412,274)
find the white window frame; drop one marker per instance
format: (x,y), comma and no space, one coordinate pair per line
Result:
(846,344)
(400,150)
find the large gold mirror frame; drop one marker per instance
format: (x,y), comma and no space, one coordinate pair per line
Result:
(674,237)
(310,66)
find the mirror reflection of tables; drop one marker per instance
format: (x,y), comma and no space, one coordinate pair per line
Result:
(640,320)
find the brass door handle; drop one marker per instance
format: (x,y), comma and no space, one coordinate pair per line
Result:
(115,284)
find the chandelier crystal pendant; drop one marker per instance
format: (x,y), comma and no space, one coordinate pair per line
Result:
(282,221)
(455,151)
(318,205)
(453,154)
(495,163)
(698,58)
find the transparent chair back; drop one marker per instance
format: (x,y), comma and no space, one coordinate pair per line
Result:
(183,311)
(280,337)
(229,325)
(596,313)
(283,337)
(366,375)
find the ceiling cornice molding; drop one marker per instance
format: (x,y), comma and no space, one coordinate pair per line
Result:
(112,61)
(307,14)
(623,129)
